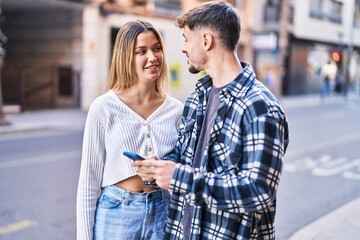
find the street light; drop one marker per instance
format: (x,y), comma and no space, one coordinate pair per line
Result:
(349,51)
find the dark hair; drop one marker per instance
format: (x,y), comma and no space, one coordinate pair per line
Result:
(219,16)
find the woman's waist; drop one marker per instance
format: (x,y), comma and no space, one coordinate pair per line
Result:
(134,184)
(158,194)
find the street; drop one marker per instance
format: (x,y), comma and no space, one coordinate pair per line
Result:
(39,173)
(38,177)
(322,166)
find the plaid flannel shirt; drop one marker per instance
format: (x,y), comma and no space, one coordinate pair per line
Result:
(234,190)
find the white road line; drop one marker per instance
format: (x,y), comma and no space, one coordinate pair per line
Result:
(336,169)
(352,175)
(324,144)
(14,227)
(40,159)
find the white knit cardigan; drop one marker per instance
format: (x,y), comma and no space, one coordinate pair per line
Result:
(112,128)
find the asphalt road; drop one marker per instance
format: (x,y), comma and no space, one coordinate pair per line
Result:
(322,166)
(39,173)
(38,177)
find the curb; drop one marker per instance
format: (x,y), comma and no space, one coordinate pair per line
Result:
(341,224)
(295,102)
(44,120)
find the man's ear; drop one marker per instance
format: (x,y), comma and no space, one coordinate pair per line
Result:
(207,40)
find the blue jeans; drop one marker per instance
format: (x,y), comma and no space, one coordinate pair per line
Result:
(121,214)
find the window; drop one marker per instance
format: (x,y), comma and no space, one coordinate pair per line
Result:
(316,7)
(335,12)
(357,14)
(272,11)
(167,7)
(65,81)
(291,14)
(239,4)
(140,2)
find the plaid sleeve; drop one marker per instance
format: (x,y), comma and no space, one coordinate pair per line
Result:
(252,186)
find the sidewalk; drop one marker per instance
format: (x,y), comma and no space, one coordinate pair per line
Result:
(75,118)
(44,120)
(314,100)
(341,224)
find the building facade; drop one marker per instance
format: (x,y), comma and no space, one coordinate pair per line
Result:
(317,31)
(58,52)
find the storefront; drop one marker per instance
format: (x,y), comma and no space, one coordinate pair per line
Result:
(310,63)
(267,60)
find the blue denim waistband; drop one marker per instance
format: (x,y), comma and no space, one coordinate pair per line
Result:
(159,194)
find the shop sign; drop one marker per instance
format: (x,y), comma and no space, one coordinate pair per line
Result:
(267,41)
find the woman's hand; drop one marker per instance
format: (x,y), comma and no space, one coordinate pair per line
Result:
(159,170)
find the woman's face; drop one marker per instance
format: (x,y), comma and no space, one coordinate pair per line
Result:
(149,57)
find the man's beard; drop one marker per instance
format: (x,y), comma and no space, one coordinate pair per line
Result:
(193,70)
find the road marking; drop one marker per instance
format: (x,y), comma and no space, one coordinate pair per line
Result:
(352,175)
(336,170)
(304,164)
(40,159)
(14,227)
(325,166)
(322,145)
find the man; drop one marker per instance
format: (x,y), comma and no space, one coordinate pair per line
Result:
(225,169)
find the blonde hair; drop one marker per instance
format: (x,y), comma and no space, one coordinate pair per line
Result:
(122,70)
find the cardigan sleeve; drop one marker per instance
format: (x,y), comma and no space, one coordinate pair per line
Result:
(91,173)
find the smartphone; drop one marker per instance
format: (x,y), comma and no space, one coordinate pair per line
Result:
(133,156)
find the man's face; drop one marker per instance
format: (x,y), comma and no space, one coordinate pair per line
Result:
(193,49)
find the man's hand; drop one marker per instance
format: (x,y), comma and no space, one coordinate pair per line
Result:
(160,170)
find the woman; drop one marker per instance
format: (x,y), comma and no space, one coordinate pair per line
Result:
(135,115)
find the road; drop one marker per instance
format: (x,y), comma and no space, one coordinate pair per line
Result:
(322,166)
(39,174)
(38,177)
